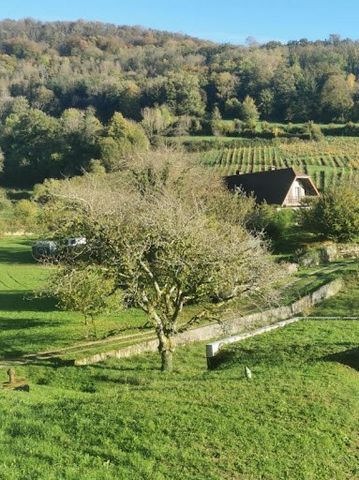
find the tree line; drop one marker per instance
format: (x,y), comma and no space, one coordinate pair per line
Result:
(38,146)
(62,65)
(71,92)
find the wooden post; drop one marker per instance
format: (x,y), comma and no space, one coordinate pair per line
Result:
(12,376)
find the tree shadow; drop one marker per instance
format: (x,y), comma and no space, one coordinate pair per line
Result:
(19,194)
(272,355)
(346,357)
(23,341)
(17,255)
(14,301)
(125,380)
(20,357)
(53,362)
(21,323)
(137,367)
(117,331)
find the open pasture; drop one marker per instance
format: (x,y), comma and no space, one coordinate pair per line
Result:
(296,419)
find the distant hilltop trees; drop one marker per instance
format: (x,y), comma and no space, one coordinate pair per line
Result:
(76,93)
(62,65)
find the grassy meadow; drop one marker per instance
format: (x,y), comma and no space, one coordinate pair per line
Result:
(29,324)
(297,418)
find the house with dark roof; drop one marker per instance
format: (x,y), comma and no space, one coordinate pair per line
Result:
(282,187)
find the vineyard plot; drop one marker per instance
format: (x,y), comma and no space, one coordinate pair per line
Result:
(327,162)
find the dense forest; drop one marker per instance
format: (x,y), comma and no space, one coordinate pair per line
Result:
(67,89)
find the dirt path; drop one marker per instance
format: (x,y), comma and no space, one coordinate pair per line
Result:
(56,354)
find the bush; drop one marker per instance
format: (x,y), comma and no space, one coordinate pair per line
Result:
(223,128)
(314,131)
(5,203)
(272,222)
(124,138)
(26,214)
(249,112)
(312,257)
(334,215)
(351,129)
(232,108)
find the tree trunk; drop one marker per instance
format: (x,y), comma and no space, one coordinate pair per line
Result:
(94,328)
(166,361)
(165,347)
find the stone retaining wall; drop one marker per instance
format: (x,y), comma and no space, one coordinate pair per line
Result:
(229,327)
(212,349)
(338,251)
(348,250)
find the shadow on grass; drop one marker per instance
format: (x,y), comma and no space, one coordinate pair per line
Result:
(9,353)
(54,362)
(21,323)
(14,256)
(121,380)
(346,357)
(274,355)
(292,239)
(136,367)
(223,357)
(13,301)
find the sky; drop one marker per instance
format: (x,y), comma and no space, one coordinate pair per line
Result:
(218,20)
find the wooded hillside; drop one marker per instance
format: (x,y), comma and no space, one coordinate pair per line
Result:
(71,92)
(80,64)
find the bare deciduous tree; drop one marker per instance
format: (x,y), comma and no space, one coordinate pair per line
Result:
(176,237)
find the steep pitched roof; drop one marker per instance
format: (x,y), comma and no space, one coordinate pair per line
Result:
(270,186)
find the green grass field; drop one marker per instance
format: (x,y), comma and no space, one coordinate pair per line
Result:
(297,418)
(29,324)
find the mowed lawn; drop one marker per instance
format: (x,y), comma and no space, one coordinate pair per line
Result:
(29,324)
(298,418)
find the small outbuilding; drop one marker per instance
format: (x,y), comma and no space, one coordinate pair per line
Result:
(282,187)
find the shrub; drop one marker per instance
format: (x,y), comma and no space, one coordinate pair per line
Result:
(351,129)
(4,201)
(272,222)
(314,131)
(124,138)
(312,257)
(249,112)
(26,214)
(223,128)
(334,215)
(232,108)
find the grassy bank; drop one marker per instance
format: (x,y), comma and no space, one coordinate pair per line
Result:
(297,419)
(29,325)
